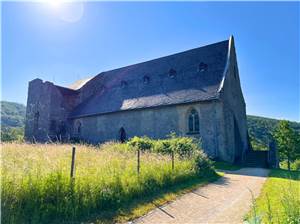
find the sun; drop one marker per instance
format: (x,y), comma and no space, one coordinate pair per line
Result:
(55,3)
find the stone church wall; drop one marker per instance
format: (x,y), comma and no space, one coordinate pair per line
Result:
(47,110)
(157,123)
(234,111)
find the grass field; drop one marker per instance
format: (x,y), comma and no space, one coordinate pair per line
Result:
(279,200)
(37,188)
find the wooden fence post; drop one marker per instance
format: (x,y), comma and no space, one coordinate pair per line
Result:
(172,160)
(138,161)
(73,162)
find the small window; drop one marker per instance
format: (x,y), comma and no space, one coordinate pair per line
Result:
(146,79)
(202,67)
(172,73)
(124,84)
(193,121)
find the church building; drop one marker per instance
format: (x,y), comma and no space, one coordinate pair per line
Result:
(194,93)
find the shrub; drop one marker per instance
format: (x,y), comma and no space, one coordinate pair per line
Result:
(142,143)
(203,165)
(294,165)
(185,147)
(182,146)
(163,147)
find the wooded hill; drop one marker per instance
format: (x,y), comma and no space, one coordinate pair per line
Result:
(260,129)
(13,122)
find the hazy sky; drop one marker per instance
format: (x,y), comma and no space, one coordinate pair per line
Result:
(63,43)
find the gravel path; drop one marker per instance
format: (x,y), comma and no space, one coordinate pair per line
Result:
(224,201)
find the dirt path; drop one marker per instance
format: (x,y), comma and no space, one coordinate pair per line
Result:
(224,201)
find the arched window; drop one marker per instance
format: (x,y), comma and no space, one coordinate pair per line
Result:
(172,73)
(193,121)
(146,79)
(123,84)
(122,135)
(202,67)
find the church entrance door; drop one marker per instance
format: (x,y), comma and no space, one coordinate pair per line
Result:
(122,135)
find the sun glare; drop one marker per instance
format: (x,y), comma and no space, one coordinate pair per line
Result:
(54,3)
(67,10)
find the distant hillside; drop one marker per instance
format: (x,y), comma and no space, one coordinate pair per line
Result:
(13,120)
(12,114)
(261,127)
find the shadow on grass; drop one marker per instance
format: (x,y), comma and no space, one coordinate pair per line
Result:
(286,174)
(220,165)
(140,206)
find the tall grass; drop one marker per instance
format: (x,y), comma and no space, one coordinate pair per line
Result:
(279,201)
(36,186)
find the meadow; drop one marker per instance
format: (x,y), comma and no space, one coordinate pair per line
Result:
(37,188)
(279,200)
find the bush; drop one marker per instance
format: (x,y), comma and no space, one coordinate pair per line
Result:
(163,147)
(294,165)
(10,134)
(182,146)
(203,165)
(142,143)
(185,147)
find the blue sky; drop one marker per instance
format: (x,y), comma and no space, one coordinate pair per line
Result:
(63,43)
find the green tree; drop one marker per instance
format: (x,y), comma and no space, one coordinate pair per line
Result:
(12,134)
(288,142)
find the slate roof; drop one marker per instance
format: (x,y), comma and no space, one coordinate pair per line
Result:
(154,83)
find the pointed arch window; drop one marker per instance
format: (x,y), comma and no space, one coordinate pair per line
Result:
(146,79)
(124,84)
(202,67)
(193,121)
(172,73)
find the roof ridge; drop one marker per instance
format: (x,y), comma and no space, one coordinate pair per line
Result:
(155,59)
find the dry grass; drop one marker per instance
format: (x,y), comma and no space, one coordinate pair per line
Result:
(36,187)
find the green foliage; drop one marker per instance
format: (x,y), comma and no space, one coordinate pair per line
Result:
(12,114)
(261,128)
(279,200)
(144,144)
(257,144)
(293,165)
(12,121)
(203,163)
(36,187)
(288,142)
(182,146)
(12,134)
